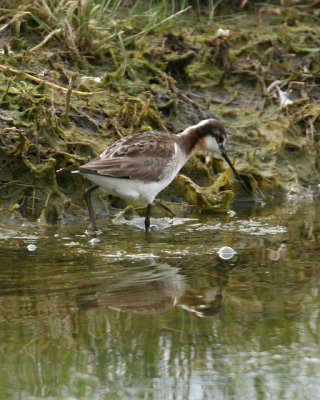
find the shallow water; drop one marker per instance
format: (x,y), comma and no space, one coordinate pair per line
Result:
(160,315)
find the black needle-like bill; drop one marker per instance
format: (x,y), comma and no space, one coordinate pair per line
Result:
(226,157)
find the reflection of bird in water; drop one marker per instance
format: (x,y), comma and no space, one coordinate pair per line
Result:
(153,292)
(204,303)
(148,293)
(142,165)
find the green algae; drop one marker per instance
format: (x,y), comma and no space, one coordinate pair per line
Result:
(65,97)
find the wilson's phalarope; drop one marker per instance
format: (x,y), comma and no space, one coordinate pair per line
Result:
(142,165)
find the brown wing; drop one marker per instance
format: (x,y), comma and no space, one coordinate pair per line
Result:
(145,156)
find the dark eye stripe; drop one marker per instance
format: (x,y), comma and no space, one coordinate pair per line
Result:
(221,139)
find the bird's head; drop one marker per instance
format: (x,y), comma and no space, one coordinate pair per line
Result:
(213,136)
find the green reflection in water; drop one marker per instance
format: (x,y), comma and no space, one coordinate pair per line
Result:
(160,316)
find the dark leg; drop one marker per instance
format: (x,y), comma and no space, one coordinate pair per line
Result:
(89,205)
(147,220)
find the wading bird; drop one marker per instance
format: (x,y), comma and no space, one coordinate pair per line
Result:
(141,165)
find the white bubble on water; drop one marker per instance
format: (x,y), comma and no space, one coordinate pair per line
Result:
(226,252)
(32,247)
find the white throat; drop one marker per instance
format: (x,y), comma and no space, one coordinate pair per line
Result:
(211,144)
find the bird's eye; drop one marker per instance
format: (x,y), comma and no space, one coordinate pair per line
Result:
(220,139)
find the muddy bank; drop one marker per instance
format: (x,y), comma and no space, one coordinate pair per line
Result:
(73,81)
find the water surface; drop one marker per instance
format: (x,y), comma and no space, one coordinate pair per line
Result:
(160,315)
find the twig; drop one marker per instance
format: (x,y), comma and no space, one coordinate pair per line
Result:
(10,80)
(14,19)
(185,96)
(49,84)
(68,96)
(70,39)
(46,39)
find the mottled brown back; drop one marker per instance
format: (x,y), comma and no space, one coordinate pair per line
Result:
(144,156)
